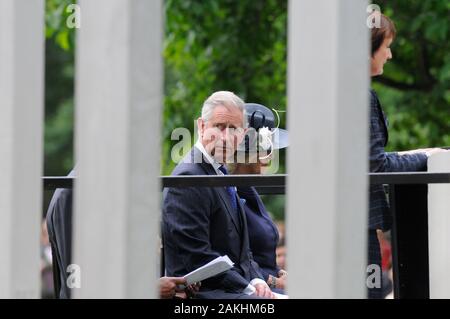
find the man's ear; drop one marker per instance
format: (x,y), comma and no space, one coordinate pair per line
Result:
(200,127)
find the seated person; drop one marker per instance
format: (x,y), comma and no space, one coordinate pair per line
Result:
(263,232)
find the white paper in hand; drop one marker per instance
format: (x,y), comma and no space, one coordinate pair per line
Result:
(211,269)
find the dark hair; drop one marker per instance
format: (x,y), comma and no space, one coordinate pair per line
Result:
(386,30)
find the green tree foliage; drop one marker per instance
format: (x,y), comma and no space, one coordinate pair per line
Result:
(59,89)
(240,46)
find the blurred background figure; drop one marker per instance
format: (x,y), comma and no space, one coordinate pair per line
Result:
(386,264)
(281,254)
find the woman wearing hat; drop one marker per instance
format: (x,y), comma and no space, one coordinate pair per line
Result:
(262,136)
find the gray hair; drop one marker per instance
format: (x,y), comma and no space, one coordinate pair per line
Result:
(225,98)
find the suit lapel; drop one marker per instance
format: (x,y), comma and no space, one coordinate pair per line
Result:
(223,193)
(225,197)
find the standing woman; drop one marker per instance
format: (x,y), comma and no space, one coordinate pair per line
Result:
(380,161)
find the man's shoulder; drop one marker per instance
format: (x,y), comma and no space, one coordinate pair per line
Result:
(188,169)
(188,166)
(192,164)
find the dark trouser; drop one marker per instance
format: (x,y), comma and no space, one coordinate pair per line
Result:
(374,257)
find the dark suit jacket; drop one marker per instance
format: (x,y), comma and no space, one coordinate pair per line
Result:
(198,225)
(380,161)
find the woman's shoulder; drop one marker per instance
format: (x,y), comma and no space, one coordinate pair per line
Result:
(373,98)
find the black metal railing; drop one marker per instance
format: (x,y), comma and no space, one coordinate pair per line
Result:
(277,183)
(265,184)
(408,196)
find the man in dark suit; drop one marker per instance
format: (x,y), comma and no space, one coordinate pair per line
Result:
(202,223)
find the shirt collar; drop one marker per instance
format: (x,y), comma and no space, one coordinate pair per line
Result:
(208,157)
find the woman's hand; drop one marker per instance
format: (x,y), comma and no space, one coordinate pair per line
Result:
(281,282)
(432,151)
(282,273)
(278,282)
(426,151)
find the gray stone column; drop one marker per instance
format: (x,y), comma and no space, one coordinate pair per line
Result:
(118,106)
(328,82)
(21,122)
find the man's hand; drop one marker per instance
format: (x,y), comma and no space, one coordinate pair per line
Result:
(262,290)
